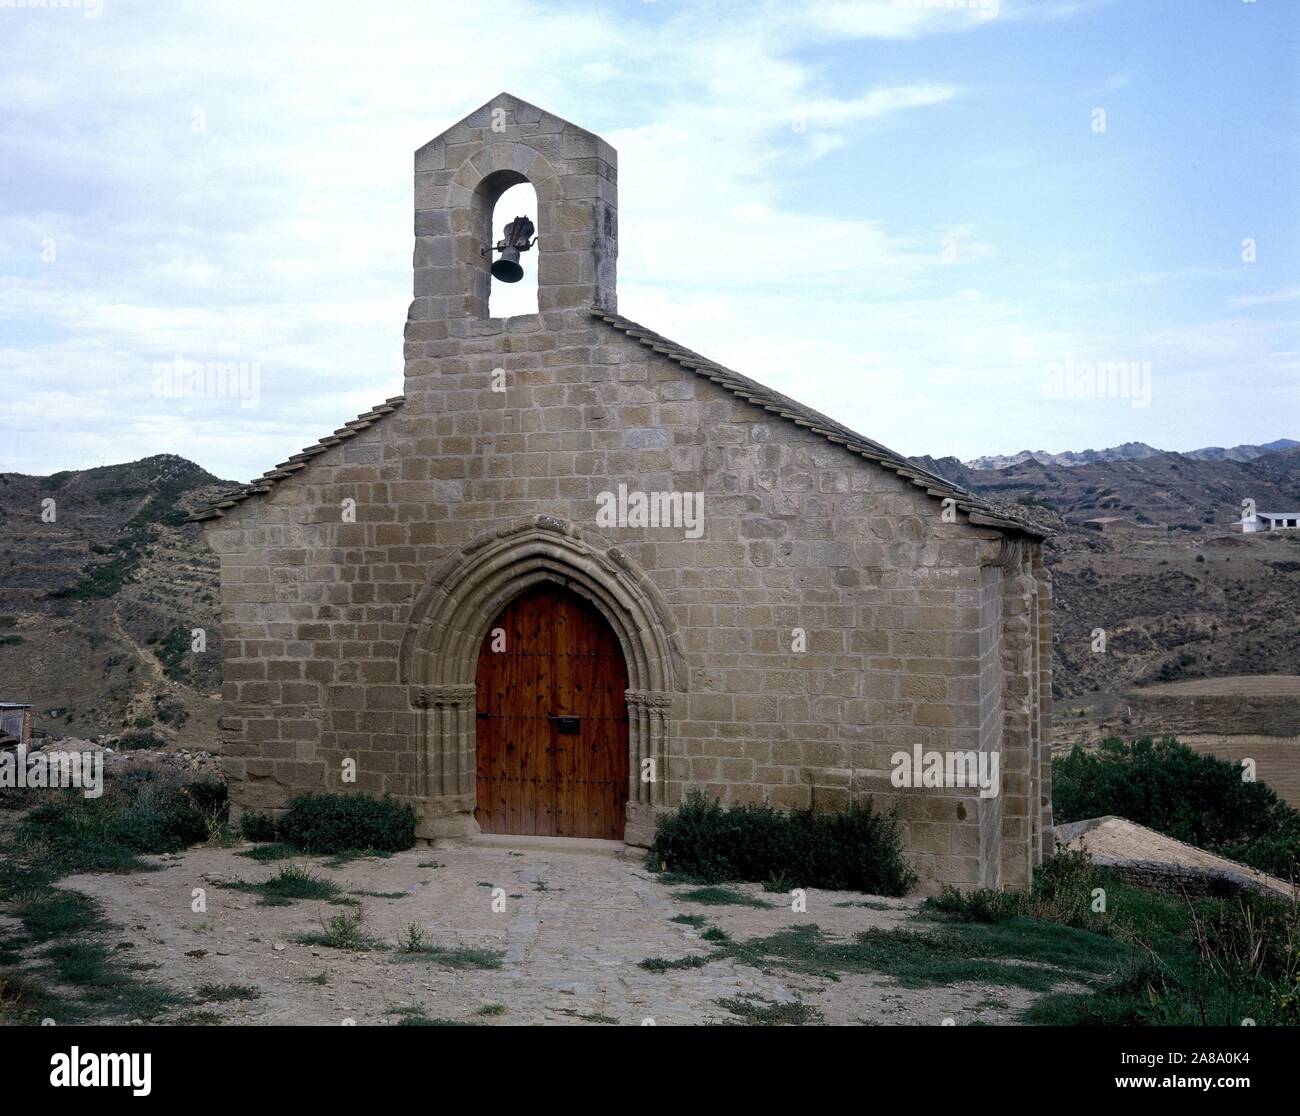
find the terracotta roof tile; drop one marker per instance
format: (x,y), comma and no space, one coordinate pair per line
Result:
(272,477)
(981,511)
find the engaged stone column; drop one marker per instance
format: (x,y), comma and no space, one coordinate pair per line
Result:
(447,756)
(647,716)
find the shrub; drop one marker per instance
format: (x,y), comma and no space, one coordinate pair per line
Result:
(1196,798)
(334,823)
(144,812)
(257,827)
(134,741)
(345,930)
(1279,855)
(1062,892)
(857,850)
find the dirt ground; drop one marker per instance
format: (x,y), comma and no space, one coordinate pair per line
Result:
(574,927)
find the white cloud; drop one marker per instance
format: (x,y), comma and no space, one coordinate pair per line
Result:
(232,181)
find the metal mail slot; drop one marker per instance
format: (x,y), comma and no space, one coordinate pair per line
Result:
(567,726)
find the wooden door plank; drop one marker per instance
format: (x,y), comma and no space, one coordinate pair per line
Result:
(561,658)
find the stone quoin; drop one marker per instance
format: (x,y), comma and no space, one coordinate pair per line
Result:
(838,604)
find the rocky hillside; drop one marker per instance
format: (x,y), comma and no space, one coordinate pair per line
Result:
(97,607)
(102,582)
(1179,594)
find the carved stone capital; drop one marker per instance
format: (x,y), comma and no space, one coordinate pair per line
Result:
(649,699)
(429,697)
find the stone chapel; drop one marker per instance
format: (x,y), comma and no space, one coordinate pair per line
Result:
(576,569)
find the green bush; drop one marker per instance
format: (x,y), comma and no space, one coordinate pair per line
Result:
(257,827)
(1181,961)
(1062,892)
(140,812)
(333,823)
(857,850)
(135,741)
(1196,798)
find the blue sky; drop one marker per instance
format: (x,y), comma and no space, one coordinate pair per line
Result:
(904,215)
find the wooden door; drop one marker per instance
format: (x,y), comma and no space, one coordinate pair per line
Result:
(539,772)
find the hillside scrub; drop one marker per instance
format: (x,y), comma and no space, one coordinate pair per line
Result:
(1199,799)
(145,812)
(1176,962)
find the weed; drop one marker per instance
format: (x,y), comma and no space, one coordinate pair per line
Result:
(720,896)
(220,993)
(344,930)
(663,965)
(766,1013)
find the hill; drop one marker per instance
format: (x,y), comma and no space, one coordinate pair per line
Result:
(1129,451)
(1179,593)
(96,608)
(102,581)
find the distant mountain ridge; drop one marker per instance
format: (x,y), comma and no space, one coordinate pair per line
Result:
(1129,451)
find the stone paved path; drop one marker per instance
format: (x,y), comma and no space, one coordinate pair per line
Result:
(573,930)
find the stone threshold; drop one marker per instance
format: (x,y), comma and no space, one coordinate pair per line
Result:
(591,845)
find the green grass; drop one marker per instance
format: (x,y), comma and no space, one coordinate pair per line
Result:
(663,965)
(172,650)
(454,957)
(11,951)
(276,850)
(415,1017)
(765,1013)
(1175,962)
(690,920)
(140,813)
(89,967)
(26,1000)
(719,897)
(341,931)
(1147,958)
(492,1009)
(56,913)
(292,883)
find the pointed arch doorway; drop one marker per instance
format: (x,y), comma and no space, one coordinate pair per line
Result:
(551,719)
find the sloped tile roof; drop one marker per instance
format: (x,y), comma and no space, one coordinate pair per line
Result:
(272,477)
(981,512)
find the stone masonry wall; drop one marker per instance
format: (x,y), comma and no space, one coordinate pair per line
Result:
(798,534)
(920,632)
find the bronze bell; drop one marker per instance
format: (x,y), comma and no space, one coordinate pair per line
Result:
(517,237)
(507,268)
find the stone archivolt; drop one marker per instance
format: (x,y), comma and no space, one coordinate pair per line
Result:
(452,617)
